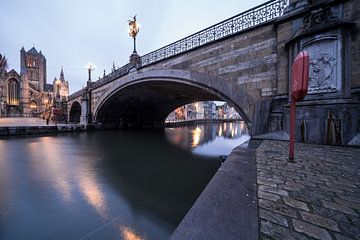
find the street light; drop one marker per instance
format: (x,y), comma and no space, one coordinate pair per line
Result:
(134,29)
(90,67)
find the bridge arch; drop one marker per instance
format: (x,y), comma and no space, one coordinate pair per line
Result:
(146,98)
(75,112)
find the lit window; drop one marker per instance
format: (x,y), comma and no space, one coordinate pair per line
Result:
(33,105)
(13,92)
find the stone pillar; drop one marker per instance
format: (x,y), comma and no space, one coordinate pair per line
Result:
(84,110)
(134,59)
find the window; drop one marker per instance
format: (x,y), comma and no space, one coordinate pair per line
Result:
(33,105)
(13,92)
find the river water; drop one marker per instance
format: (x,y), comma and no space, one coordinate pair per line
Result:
(127,185)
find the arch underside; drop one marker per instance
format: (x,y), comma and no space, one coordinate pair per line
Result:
(75,113)
(147,104)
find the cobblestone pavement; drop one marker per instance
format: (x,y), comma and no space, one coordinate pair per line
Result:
(316,197)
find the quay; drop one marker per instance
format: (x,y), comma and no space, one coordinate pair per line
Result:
(258,194)
(34,126)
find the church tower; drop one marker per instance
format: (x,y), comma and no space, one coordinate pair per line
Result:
(33,67)
(61,87)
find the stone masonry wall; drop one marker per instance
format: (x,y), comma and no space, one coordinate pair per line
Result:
(248,59)
(352,14)
(283,36)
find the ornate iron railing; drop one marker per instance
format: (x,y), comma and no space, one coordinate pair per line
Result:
(251,18)
(111,76)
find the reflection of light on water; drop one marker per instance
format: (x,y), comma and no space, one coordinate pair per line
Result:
(128,234)
(232,130)
(196,136)
(220,131)
(49,161)
(210,139)
(93,194)
(242,126)
(220,146)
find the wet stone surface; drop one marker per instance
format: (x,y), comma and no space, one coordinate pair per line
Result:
(316,197)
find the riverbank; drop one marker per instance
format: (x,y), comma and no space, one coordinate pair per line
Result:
(34,126)
(39,130)
(227,208)
(316,197)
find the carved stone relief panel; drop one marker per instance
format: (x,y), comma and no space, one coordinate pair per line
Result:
(325,62)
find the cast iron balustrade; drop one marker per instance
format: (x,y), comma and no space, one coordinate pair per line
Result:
(251,18)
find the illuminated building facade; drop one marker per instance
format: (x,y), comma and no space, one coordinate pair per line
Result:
(28,94)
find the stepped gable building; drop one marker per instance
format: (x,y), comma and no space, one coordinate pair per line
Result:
(28,93)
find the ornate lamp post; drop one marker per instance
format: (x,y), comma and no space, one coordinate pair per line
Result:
(134,29)
(90,67)
(86,99)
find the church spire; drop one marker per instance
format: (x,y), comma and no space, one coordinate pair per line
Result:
(62,74)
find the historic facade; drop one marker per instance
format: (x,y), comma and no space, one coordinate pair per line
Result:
(27,93)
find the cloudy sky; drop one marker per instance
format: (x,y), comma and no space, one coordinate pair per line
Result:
(71,33)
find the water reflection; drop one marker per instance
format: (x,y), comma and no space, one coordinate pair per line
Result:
(49,164)
(196,136)
(106,185)
(212,139)
(92,191)
(128,234)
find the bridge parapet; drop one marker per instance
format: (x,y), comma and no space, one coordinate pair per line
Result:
(254,17)
(264,13)
(76,94)
(113,75)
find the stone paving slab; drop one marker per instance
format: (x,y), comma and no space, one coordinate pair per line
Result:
(316,197)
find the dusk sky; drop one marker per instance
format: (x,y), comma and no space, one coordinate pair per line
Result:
(72,33)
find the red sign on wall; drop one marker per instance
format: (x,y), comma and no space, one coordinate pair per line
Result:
(300,76)
(299,88)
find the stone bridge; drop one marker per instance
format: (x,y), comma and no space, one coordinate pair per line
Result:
(245,61)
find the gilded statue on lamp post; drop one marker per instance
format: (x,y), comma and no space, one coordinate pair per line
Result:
(134,29)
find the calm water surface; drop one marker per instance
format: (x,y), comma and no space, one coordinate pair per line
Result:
(108,185)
